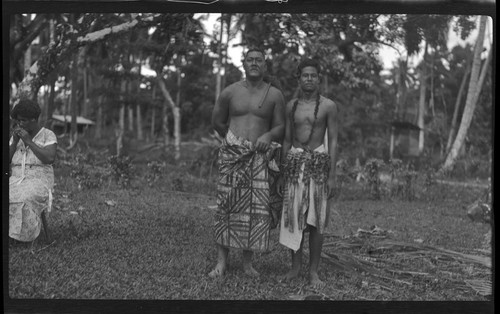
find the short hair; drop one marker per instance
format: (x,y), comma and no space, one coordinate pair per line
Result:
(26,108)
(308,63)
(254,49)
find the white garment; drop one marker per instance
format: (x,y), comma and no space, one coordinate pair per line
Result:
(293,239)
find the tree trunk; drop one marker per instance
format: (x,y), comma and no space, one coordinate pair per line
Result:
(137,88)
(431,100)
(49,109)
(454,120)
(85,91)
(177,117)
(99,118)
(153,114)
(401,88)
(99,115)
(130,117)
(391,144)
(224,60)
(121,120)
(475,86)
(169,103)
(73,136)
(177,132)
(219,53)
(139,122)
(52,80)
(27,58)
(164,126)
(421,103)
(120,130)
(67,101)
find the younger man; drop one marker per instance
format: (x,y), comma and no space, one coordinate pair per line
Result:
(308,166)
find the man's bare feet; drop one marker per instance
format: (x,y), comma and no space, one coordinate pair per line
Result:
(218,271)
(250,271)
(315,282)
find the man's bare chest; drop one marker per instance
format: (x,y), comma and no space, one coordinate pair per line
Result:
(251,103)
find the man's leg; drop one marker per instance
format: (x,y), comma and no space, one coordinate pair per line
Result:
(296,263)
(247,264)
(220,268)
(315,247)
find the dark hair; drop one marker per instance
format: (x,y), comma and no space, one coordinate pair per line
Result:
(308,63)
(26,108)
(254,49)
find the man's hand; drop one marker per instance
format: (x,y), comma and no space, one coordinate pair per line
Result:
(280,185)
(263,142)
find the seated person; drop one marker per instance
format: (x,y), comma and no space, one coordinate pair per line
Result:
(32,150)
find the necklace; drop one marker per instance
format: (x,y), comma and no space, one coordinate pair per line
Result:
(268,86)
(292,118)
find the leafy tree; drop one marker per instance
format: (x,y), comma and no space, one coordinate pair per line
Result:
(478,75)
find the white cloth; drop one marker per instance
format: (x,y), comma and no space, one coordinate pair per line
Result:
(293,239)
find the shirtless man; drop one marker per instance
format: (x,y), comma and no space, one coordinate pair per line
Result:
(249,115)
(308,162)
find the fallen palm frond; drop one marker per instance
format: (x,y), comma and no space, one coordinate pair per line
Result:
(349,263)
(344,243)
(481,286)
(370,253)
(483,260)
(407,272)
(389,245)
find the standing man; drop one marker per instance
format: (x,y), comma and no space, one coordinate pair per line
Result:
(309,156)
(249,115)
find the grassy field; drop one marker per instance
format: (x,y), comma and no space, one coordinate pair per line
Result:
(154,242)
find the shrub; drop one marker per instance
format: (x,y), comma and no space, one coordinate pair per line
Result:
(156,170)
(372,173)
(121,169)
(89,178)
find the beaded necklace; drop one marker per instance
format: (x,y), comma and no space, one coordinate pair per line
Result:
(292,118)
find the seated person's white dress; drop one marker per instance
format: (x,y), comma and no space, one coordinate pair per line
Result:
(30,188)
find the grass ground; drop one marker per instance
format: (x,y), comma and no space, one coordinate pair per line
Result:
(155,243)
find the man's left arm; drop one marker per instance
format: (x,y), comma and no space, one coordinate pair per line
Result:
(278,125)
(332,127)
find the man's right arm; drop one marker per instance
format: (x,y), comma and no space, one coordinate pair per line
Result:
(220,114)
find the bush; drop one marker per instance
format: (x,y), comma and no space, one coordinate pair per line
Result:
(121,169)
(156,171)
(89,177)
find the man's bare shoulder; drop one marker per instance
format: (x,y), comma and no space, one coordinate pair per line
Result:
(274,89)
(275,93)
(231,89)
(233,86)
(328,103)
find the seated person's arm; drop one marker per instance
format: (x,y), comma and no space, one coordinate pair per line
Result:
(13,146)
(46,154)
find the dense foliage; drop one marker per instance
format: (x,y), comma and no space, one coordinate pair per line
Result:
(181,50)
